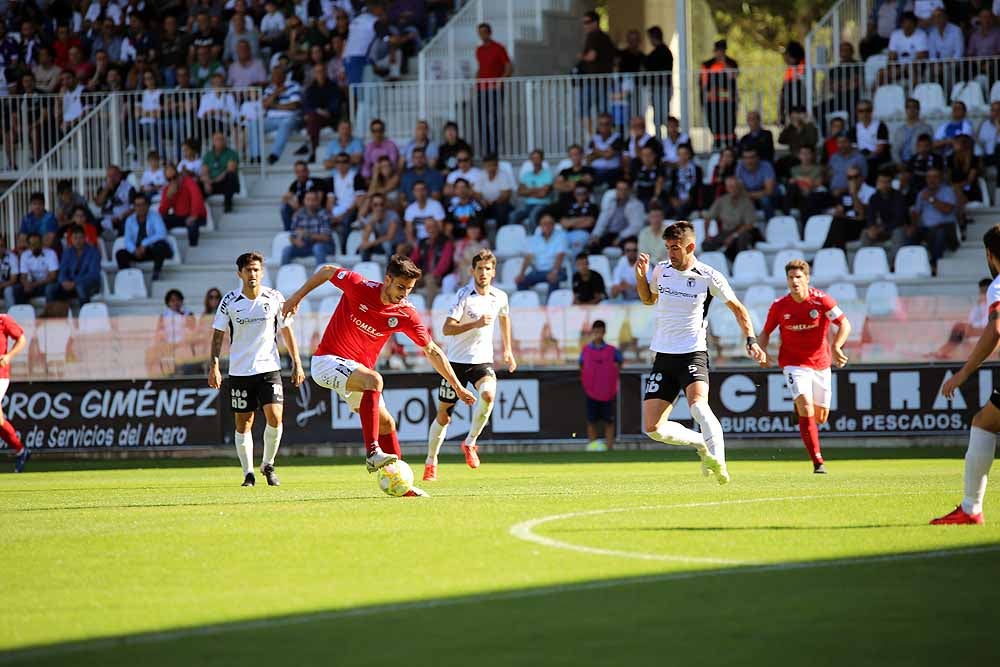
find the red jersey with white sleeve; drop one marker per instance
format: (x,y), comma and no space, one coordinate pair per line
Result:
(804,328)
(361,324)
(9,329)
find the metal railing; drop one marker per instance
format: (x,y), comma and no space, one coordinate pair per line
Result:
(845,22)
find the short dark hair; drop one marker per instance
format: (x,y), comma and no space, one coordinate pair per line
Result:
(462,180)
(656,32)
(140,195)
(401,267)
(75,229)
(592,16)
(33,235)
(985,282)
(583,255)
(171,293)
(64,185)
(36,196)
(491,157)
(599,324)
(422,182)
(418,149)
(247,258)
(376,121)
(908,16)
(302,162)
(488,27)
(576,146)
(678,231)
(991,240)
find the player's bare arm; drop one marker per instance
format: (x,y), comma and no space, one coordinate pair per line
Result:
(508,346)
(763,340)
(843,333)
(985,348)
(322,275)
(444,369)
(453,328)
(214,374)
(646,294)
(19,345)
(298,375)
(746,325)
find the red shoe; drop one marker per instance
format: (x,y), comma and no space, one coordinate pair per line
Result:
(430,472)
(471,456)
(958,517)
(416,493)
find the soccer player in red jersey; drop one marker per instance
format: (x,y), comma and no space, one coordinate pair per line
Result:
(804,316)
(366,317)
(9,328)
(986,423)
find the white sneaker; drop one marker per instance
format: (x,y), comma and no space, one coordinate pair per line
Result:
(379,459)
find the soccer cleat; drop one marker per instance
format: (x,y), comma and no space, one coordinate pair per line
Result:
(471,456)
(958,517)
(379,459)
(710,463)
(819,469)
(249,480)
(430,472)
(722,476)
(21,459)
(415,492)
(704,469)
(268,471)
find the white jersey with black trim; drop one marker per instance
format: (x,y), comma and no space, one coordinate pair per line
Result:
(475,346)
(993,296)
(682,304)
(253,330)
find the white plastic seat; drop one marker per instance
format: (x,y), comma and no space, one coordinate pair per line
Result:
(750,268)
(971,94)
(713,162)
(871,264)
(443,302)
(303,324)
(817,228)
(717,261)
(53,336)
(109,263)
(843,292)
(602,265)
(176,259)
(724,326)
(995,92)
(882,299)
(370,271)
(873,66)
(324,290)
(830,266)
(759,295)
(327,306)
(509,270)
(129,284)
(278,244)
(699,225)
(782,232)
(510,241)
(23,314)
(525,299)
(781,260)
(527,319)
(932,101)
(350,255)
(561,297)
(94,318)
(889,102)
(912,261)
(290,278)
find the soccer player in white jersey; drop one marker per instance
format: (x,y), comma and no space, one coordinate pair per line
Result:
(469,328)
(986,423)
(682,289)
(253,316)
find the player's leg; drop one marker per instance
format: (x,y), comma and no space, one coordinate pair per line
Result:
(271,396)
(243,437)
(388,438)
(439,427)
(9,435)
(978,460)
(609,423)
(485,381)
(661,391)
(711,430)
(822,393)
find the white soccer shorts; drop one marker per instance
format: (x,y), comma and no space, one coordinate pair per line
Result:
(814,384)
(331,371)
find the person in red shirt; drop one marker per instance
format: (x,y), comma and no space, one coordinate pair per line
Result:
(805,315)
(9,328)
(368,314)
(494,63)
(182,204)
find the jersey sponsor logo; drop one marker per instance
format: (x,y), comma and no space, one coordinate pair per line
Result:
(393,322)
(364,326)
(813,313)
(801,327)
(341,275)
(363,308)
(669,291)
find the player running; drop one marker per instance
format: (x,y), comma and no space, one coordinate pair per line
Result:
(9,328)
(469,327)
(366,317)
(986,423)
(684,289)
(804,316)
(253,315)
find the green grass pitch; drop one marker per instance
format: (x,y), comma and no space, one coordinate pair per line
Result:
(573,559)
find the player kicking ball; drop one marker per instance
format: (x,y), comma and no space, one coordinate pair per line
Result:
(9,328)
(253,315)
(682,289)
(366,317)
(986,423)
(804,316)
(469,327)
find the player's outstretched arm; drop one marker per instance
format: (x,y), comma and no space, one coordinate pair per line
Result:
(214,374)
(452,327)
(298,375)
(444,369)
(746,325)
(19,345)
(322,275)
(508,346)
(985,348)
(843,333)
(646,294)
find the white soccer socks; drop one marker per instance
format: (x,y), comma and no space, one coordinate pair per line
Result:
(711,430)
(978,459)
(434,441)
(272,438)
(244,449)
(672,433)
(480,416)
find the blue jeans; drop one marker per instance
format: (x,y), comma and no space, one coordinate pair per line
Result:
(83,291)
(533,277)
(253,139)
(286,217)
(283,127)
(317,250)
(577,239)
(528,216)
(354,68)
(766,204)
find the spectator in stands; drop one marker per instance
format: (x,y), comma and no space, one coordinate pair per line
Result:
(247,70)
(886,211)
(934,217)
(575,174)
(182,204)
(904,137)
(806,186)
(465,170)
(799,132)
(322,107)
(46,73)
(493,63)
(282,105)
(382,231)
(622,216)
(79,271)
(67,201)
(735,221)
(535,191)
(578,219)
(944,136)
(973,327)
(153,178)
(631,58)
(793,92)
(588,286)
(220,171)
(72,100)
(923,161)
(723,170)
(637,139)
(379,146)
(906,45)
(463,209)
(660,59)
(344,143)
(494,188)
(720,95)
(422,140)
(294,198)
(989,135)
(684,190)
(873,42)
(841,161)
(838,127)
(871,138)
(449,148)
(944,39)
(38,267)
(312,231)
(346,187)
(758,138)
(758,179)
(623,278)
(79,219)
(8,270)
(272,29)
(434,254)
(217,106)
(605,151)
(648,176)
(420,210)
(421,171)
(964,170)
(190,163)
(651,236)
(385,181)
(114,200)
(849,213)
(846,82)
(37,221)
(543,259)
(673,139)
(172,342)
(173,51)
(145,238)
(360,35)
(205,67)
(984,40)
(239,33)
(596,57)
(465,249)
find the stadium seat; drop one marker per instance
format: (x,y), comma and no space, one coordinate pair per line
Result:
(871,264)
(176,259)
(889,103)
(750,268)
(782,232)
(53,336)
(109,263)
(327,306)
(725,327)
(843,293)
(759,295)
(565,163)
(350,256)
(713,162)
(561,297)
(830,266)
(129,284)
(509,270)
(303,324)
(290,278)
(280,242)
(699,231)
(971,94)
(24,315)
(882,299)
(525,299)
(418,301)
(443,302)
(932,101)
(817,228)
(985,189)
(370,271)
(510,241)
(783,257)
(873,65)
(94,318)
(602,265)
(324,290)
(614,316)
(717,261)
(857,315)
(912,261)
(995,92)
(527,319)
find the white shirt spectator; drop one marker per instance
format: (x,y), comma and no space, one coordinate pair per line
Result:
(8,266)
(73,104)
(986,138)
(924,8)
(416,214)
(113,12)
(213,100)
(870,137)
(272,24)
(670,146)
(291,93)
(951,129)
(471,175)
(38,267)
(491,189)
(360,35)
(345,191)
(150,102)
(906,47)
(951,44)
(623,273)
(599,143)
(192,166)
(153,179)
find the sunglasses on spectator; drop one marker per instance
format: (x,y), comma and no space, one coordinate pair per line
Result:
(854,176)
(465,159)
(864,109)
(631,250)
